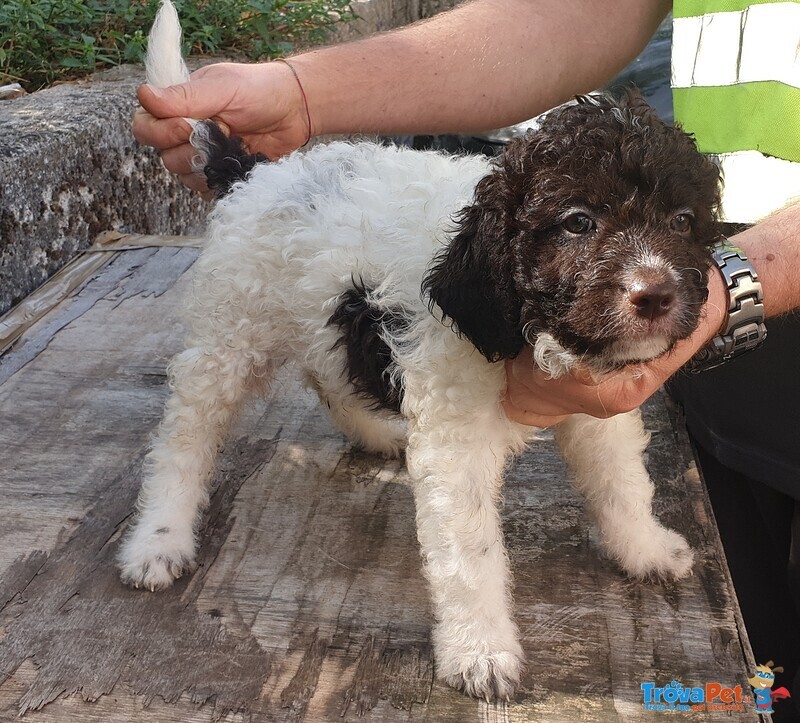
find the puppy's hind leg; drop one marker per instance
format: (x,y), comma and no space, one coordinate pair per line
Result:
(606,457)
(209,385)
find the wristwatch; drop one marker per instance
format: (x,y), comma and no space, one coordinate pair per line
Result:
(744,328)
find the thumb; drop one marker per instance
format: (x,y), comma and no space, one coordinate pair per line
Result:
(182,101)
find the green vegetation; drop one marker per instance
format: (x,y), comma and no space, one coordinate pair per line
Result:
(42,41)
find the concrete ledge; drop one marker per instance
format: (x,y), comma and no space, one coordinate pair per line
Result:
(70,169)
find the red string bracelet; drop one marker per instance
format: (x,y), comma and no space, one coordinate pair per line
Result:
(302,92)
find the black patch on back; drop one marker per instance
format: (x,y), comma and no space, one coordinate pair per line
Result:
(369,359)
(227,160)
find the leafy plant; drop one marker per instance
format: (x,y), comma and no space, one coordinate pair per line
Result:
(42,41)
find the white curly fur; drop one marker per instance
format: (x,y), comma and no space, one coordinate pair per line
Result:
(281,249)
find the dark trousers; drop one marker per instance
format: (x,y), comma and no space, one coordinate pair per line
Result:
(760,531)
(744,418)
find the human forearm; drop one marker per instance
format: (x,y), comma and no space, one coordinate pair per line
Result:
(773,247)
(484,64)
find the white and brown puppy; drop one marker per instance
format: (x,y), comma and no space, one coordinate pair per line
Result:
(398,281)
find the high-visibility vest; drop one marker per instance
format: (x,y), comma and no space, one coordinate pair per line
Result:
(736,88)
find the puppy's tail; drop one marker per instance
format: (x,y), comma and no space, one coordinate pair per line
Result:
(164,62)
(223,160)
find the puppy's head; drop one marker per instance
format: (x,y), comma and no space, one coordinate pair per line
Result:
(595,228)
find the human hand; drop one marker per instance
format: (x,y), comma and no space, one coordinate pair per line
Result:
(536,399)
(262,103)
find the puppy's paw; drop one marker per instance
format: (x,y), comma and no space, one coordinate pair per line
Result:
(153,560)
(490,676)
(662,554)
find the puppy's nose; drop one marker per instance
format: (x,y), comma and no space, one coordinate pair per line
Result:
(652,300)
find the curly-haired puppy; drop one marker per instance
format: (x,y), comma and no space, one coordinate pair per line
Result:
(398,281)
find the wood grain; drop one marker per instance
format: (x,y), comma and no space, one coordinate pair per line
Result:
(309,603)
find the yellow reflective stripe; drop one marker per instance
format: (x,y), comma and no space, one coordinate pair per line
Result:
(692,8)
(761,117)
(756,185)
(756,44)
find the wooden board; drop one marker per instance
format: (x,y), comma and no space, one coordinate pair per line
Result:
(309,603)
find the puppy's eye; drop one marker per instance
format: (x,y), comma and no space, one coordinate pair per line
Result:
(682,223)
(579,223)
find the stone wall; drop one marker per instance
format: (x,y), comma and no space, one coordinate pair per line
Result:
(70,169)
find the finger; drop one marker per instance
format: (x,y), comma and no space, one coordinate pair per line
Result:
(172,102)
(224,127)
(542,402)
(531,419)
(179,159)
(159,133)
(196,99)
(584,376)
(196,182)
(581,391)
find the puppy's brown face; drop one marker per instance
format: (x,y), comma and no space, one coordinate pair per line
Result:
(595,229)
(612,238)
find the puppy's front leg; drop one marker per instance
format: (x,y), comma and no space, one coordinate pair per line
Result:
(606,457)
(457,471)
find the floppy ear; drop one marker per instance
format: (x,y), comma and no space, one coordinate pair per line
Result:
(472,279)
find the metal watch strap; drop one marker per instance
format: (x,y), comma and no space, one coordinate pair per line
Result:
(744,329)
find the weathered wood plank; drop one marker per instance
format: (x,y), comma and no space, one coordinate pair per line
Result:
(309,603)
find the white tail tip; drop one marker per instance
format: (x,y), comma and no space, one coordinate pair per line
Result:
(164,61)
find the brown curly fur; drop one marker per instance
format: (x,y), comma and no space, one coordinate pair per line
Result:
(513,269)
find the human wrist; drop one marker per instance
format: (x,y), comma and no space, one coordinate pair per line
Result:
(742,308)
(277,107)
(305,109)
(311,91)
(715,311)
